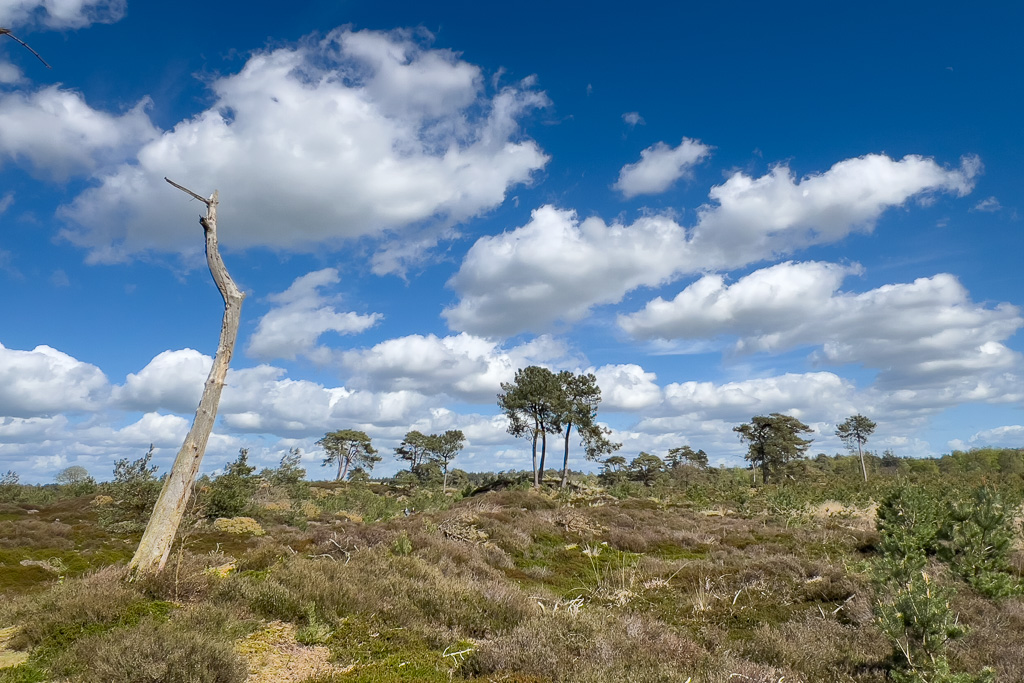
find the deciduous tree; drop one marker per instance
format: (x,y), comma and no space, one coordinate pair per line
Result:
(76,479)
(773,441)
(855,432)
(69,476)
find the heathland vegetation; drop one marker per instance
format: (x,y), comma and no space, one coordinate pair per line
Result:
(655,569)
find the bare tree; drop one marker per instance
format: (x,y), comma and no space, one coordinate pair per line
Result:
(7,32)
(170,507)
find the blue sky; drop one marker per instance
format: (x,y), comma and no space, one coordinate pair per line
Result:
(721,211)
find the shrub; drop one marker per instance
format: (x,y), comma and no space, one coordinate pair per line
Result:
(135,489)
(979,535)
(57,618)
(10,489)
(914,611)
(231,494)
(909,522)
(239,525)
(402,544)
(76,481)
(150,652)
(918,621)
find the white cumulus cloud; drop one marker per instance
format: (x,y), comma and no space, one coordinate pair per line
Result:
(173,381)
(989,205)
(31,430)
(923,333)
(556,268)
(463,366)
(659,167)
(360,133)
(45,381)
(9,73)
(627,387)
(1011,436)
(633,119)
(263,400)
(61,14)
(301,316)
(57,134)
(812,395)
(751,219)
(765,304)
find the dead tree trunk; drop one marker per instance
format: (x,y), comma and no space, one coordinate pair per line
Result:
(170,507)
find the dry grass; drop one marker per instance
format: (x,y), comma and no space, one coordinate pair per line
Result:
(273,655)
(510,585)
(36,533)
(238,525)
(10,658)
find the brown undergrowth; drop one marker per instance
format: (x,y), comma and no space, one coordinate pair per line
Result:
(506,586)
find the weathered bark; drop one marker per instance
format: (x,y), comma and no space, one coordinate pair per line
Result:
(156,542)
(863,467)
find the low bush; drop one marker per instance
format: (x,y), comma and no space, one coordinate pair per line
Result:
(978,535)
(55,619)
(152,651)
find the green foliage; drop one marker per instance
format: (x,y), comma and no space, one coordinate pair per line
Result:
(532,403)
(348,448)
(917,620)
(914,611)
(9,486)
(444,448)
(685,455)
(979,535)
(854,432)
(289,475)
(135,489)
(414,449)
(231,494)
(402,544)
(578,400)
(28,672)
(430,455)
(774,440)
(909,521)
(76,480)
(134,471)
(538,403)
(646,469)
(315,631)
